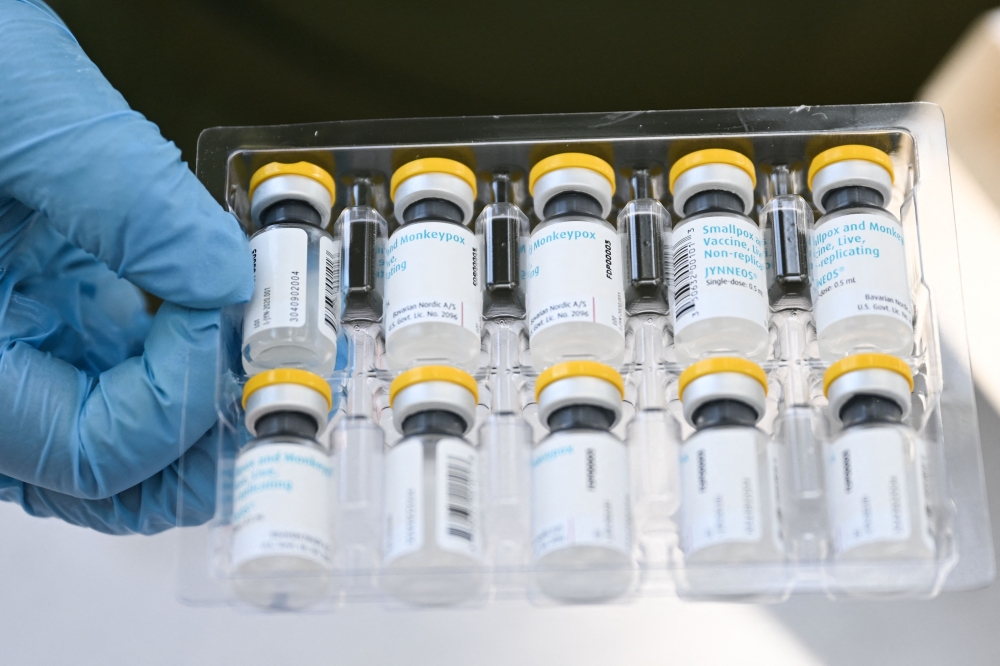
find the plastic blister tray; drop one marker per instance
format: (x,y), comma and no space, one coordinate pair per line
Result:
(943,413)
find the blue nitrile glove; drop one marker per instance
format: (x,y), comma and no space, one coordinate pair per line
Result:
(94,203)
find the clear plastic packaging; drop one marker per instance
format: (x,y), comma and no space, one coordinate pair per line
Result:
(793,450)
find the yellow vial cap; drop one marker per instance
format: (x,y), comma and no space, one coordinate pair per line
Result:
(433,373)
(850,152)
(717,364)
(306,169)
(866,362)
(288,376)
(432,165)
(712,156)
(579,369)
(570,161)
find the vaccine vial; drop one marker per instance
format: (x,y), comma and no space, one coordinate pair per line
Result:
(876,467)
(860,286)
(786,220)
(505,438)
(652,433)
(281,549)
(432,533)
(728,475)
(502,229)
(575,286)
(433,292)
(644,222)
(718,290)
(581,519)
(363,232)
(293,318)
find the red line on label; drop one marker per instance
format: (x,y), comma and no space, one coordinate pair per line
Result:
(593,308)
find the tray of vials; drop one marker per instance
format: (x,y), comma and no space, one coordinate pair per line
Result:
(581,358)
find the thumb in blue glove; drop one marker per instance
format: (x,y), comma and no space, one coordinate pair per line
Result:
(94,203)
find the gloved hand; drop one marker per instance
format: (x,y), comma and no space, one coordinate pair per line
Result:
(94,203)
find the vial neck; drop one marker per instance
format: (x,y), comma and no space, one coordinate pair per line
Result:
(853,196)
(502,189)
(867,409)
(581,417)
(290,211)
(571,203)
(719,413)
(432,210)
(434,422)
(641,184)
(361,193)
(289,424)
(713,201)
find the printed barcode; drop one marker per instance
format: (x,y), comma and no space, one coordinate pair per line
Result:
(685,288)
(460,519)
(332,283)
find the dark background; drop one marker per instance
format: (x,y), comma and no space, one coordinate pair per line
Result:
(192,64)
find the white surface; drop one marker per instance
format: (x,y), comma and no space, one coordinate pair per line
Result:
(967,87)
(75,597)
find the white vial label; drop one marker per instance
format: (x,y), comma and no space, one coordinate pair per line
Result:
(580,493)
(457,510)
(404,500)
(280,504)
(280,259)
(432,275)
(717,270)
(575,274)
(869,496)
(720,486)
(329,291)
(858,267)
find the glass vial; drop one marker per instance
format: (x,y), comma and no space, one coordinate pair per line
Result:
(433,292)
(502,230)
(718,290)
(281,549)
(363,232)
(581,517)
(876,466)
(860,285)
(432,532)
(728,475)
(575,286)
(293,318)
(505,438)
(653,433)
(786,220)
(358,441)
